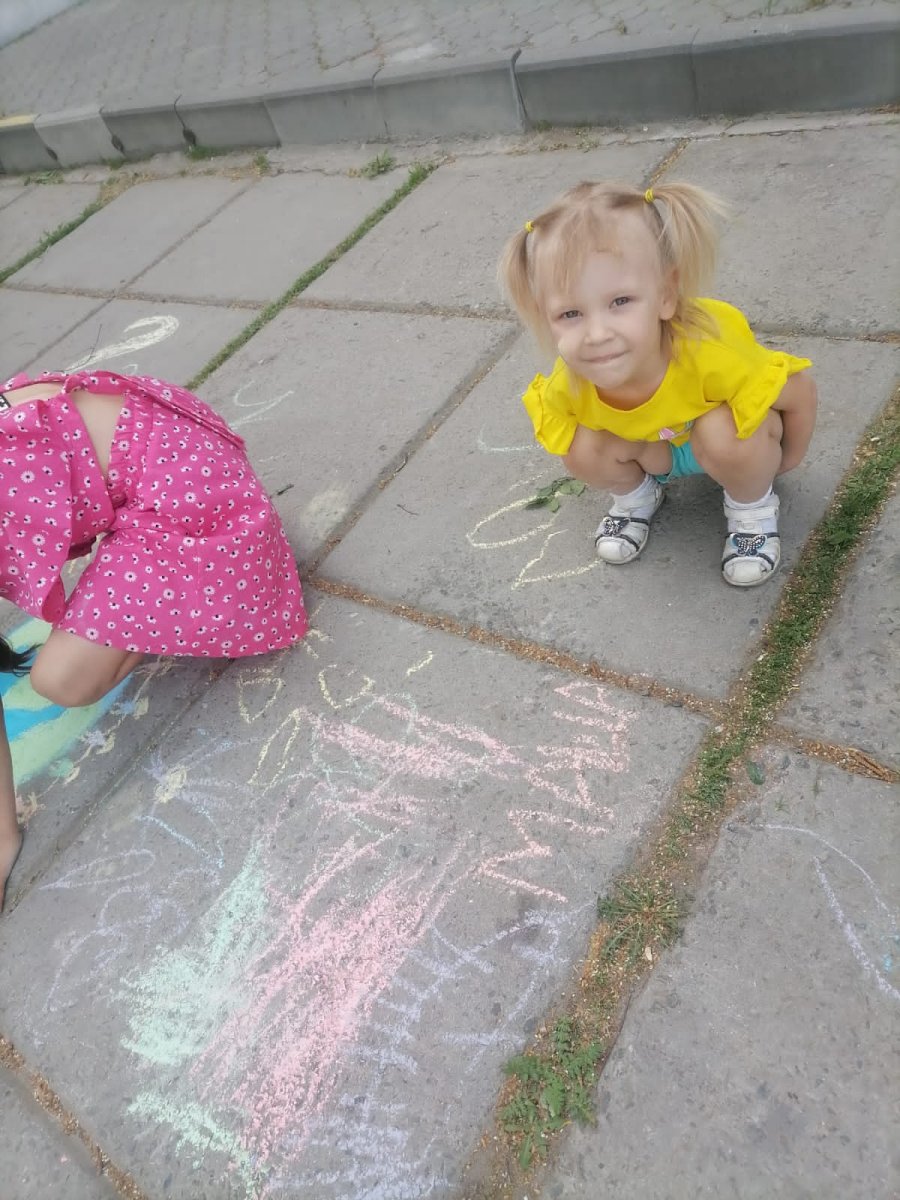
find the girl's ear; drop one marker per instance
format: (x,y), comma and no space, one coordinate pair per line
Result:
(669,295)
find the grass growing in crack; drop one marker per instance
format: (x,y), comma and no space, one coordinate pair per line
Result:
(641,914)
(553,1089)
(201,153)
(261,163)
(50,239)
(51,176)
(379,165)
(417,173)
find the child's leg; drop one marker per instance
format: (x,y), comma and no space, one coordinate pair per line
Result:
(626,469)
(611,464)
(10,833)
(71,671)
(746,468)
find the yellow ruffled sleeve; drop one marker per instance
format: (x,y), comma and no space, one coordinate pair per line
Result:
(548,404)
(758,393)
(740,372)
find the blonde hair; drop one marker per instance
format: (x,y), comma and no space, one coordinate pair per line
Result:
(546,253)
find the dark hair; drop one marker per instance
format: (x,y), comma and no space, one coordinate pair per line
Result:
(15,661)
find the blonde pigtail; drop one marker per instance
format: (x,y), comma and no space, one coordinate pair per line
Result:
(690,235)
(515,276)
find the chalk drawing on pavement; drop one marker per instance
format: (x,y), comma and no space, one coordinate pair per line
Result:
(550,551)
(875,923)
(331,840)
(156,329)
(256,405)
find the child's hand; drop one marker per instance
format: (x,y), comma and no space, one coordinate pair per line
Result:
(9,852)
(10,833)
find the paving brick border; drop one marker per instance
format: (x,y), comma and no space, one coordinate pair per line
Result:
(809,62)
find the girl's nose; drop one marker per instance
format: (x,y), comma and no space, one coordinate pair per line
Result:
(597,329)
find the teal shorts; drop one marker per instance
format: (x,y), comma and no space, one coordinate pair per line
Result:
(683,463)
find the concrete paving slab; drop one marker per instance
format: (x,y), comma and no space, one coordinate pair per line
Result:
(328,400)
(36,1157)
(850,693)
(806,247)
(30,322)
(130,234)
(311,928)
(10,190)
(442,245)
(451,533)
(145,337)
(40,209)
(257,247)
(761,1059)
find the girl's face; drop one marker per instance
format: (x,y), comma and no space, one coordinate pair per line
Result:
(608,324)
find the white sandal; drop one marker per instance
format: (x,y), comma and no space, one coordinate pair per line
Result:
(751,556)
(620,536)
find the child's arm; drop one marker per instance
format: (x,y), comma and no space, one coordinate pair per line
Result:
(797,406)
(10,834)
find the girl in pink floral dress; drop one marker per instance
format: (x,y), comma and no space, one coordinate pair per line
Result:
(193,559)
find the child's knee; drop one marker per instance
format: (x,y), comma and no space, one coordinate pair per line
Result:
(714,438)
(51,680)
(590,447)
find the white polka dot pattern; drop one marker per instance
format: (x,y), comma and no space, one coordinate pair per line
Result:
(193,558)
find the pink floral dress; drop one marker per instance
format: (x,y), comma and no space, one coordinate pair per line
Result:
(193,558)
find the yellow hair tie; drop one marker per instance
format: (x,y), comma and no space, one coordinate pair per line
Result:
(529,226)
(648,195)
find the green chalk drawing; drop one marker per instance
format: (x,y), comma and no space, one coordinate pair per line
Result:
(176,1006)
(199,1129)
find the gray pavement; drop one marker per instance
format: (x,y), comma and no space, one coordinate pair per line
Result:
(163,49)
(762,1061)
(278,925)
(152,76)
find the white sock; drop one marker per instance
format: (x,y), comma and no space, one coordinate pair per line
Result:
(639,503)
(766,525)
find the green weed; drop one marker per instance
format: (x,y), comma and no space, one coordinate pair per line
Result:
(380,165)
(553,1089)
(50,239)
(548,497)
(198,153)
(44,177)
(641,914)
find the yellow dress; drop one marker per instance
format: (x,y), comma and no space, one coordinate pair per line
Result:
(704,372)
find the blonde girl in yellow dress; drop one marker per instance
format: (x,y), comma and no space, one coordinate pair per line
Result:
(652,382)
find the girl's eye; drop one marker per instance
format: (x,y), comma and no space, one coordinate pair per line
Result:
(570,314)
(620,301)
